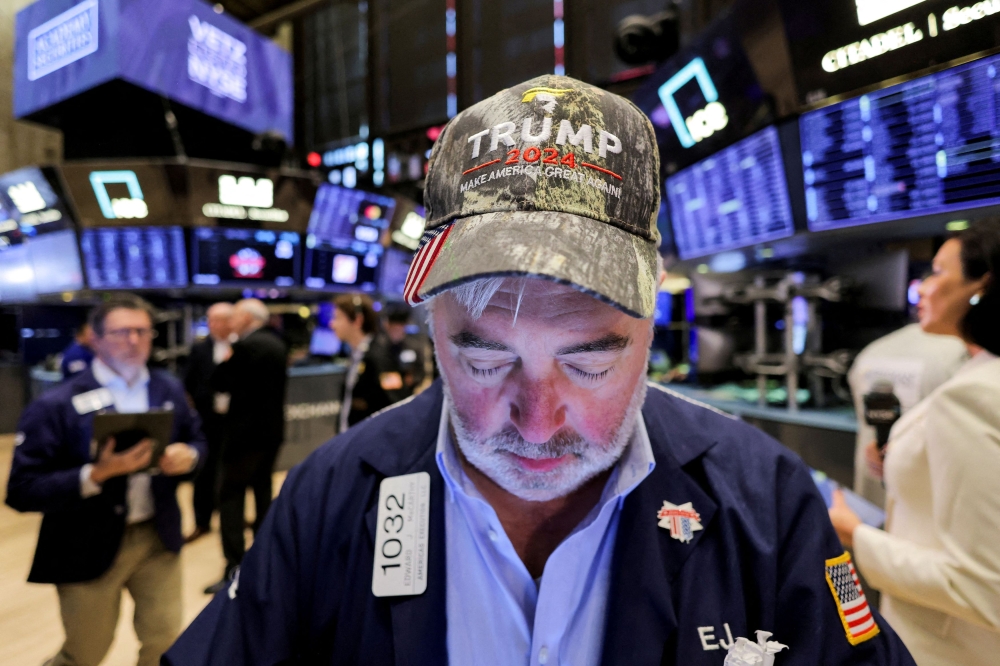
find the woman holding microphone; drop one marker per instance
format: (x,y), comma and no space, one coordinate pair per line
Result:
(937,563)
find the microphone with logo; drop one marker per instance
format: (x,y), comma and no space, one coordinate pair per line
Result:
(882,410)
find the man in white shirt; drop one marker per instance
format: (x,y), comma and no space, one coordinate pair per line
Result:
(212,407)
(111,521)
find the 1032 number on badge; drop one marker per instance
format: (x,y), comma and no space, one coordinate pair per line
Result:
(401,536)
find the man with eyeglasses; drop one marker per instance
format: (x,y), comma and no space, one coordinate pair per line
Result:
(109,524)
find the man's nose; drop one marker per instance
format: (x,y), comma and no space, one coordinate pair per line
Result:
(538,412)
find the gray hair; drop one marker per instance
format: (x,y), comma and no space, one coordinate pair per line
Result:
(475,295)
(255,308)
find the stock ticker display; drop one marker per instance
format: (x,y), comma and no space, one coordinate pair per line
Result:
(342,244)
(931,145)
(731,200)
(134,257)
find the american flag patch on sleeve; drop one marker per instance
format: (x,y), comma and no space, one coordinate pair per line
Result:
(859,623)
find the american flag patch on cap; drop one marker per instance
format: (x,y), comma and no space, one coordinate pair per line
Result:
(430,246)
(859,623)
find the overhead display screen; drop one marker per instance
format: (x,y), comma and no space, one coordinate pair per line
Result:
(38,249)
(918,148)
(343,248)
(736,198)
(181,49)
(842,45)
(32,195)
(270,199)
(134,257)
(244,257)
(710,95)
(122,193)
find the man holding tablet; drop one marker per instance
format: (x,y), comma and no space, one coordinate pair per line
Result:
(111,516)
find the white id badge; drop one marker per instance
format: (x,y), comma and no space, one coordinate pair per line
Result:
(92,401)
(401,536)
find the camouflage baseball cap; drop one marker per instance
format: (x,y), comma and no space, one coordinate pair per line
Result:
(551,178)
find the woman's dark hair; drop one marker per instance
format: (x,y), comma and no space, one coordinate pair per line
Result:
(980,257)
(118,302)
(358,305)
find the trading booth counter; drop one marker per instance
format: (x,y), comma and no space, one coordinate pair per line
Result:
(312,410)
(824,438)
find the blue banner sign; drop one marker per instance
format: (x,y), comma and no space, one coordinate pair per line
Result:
(181,49)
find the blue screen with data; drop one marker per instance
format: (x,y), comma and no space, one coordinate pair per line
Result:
(734,199)
(134,257)
(928,146)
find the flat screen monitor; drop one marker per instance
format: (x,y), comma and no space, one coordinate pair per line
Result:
(34,197)
(123,193)
(395,266)
(734,199)
(222,256)
(708,95)
(928,146)
(38,248)
(343,248)
(134,257)
(266,199)
(324,342)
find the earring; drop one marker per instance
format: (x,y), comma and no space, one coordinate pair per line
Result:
(974,300)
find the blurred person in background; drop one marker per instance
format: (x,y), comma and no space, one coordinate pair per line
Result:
(915,363)
(407,351)
(254,377)
(212,406)
(108,525)
(78,356)
(937,563)
(372,375)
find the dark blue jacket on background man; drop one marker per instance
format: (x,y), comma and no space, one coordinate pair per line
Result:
(761,562)
(79,537)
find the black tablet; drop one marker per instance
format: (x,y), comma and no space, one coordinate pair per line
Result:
(129,429)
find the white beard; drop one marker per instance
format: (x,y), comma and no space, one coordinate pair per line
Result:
(589,459)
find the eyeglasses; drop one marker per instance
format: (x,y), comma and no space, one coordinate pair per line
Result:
(126,333)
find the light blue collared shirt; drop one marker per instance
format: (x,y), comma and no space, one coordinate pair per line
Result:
(499,615)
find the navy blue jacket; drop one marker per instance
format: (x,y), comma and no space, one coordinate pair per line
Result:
(75,360)
(79,538)
(304,596)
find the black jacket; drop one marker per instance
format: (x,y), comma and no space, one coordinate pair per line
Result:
(304,593)
(369,396)
(79,538)
(198,384)
(255,377)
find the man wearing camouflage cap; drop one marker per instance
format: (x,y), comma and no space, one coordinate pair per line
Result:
(543,504)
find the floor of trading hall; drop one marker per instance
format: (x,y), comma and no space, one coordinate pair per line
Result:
(30,630)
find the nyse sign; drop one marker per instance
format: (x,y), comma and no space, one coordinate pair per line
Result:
(217,60)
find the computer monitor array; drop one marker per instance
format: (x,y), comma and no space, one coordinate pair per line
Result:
(734,199)
(923,147)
